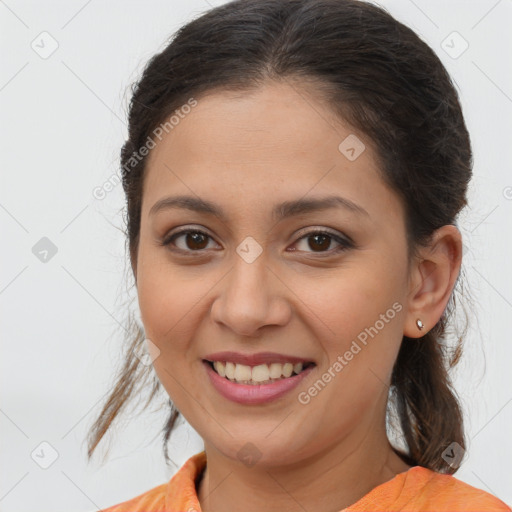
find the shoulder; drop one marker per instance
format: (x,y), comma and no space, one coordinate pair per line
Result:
(149,501)
(442,492)
(179,493)
(422,490)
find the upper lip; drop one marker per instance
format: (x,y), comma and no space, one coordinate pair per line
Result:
(255,359)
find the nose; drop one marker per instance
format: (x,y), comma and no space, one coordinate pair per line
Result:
(251,297)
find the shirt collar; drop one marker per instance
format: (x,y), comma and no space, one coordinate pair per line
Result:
(181,494)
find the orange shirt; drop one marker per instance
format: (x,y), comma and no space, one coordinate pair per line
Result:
(418,489)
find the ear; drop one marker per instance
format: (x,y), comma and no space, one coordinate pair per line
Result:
(432,277)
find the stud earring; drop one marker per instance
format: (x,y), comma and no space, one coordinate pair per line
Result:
(419,323)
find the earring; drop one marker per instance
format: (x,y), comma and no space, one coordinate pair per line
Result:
(419,323)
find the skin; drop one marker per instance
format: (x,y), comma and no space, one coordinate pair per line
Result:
(247,152)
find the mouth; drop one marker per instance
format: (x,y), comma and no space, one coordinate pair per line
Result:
(260,374)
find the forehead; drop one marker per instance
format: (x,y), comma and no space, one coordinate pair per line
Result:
(251,150)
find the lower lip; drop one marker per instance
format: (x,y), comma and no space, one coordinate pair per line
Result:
(257,393)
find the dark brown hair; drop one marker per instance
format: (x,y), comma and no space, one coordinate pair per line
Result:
(381,78)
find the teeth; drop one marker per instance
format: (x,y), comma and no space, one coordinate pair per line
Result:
(275,370)
(256,374)
(220,368)
(287,369)
(260,373)
(242,372)
(230,370)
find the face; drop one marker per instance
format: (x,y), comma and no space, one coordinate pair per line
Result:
(326,287)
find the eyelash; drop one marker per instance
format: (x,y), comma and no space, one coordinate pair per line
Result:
(345,244)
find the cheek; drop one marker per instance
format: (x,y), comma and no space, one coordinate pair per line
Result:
(162,294)
(173,302)
(359,316)
(163,306)
(169,309)
(352,300)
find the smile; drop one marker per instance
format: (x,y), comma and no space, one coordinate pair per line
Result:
(257,375)
(257,378)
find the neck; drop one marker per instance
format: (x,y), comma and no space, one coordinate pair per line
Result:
(329,481)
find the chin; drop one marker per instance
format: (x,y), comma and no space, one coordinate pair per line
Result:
(260,451)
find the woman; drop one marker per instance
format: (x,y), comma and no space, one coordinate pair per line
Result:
(293,172)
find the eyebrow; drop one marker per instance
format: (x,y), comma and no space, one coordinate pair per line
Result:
(279,212)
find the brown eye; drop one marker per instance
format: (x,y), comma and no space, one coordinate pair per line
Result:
(193,240)
(320,242)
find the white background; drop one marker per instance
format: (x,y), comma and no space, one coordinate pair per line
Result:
(62,125)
